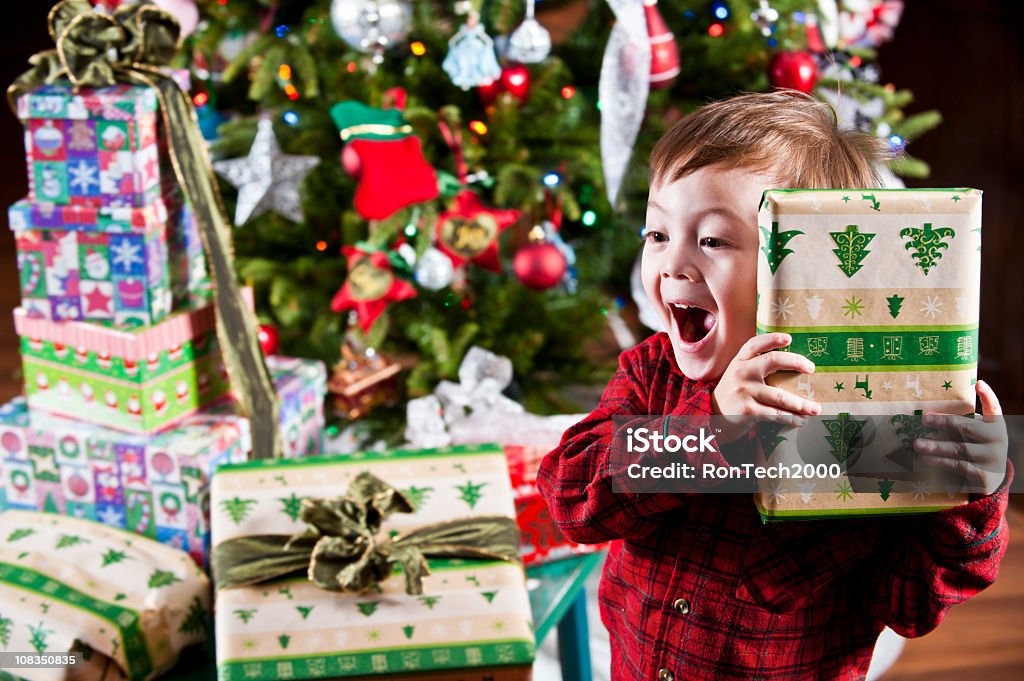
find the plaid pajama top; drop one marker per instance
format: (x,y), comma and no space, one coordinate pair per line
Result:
(696,587)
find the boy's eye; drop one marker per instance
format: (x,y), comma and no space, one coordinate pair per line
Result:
(656,237)
(711,242)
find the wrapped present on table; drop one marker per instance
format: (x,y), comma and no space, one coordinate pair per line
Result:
(127,605)
(118,266)
(880,289)
(474,411)
(373,611)
(137,380)
(155,486)
(97,146)
(300,386)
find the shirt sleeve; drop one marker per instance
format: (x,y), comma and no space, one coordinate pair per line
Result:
(576,478)
(944,560)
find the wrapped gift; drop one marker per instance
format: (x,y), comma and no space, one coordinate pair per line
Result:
(880,288)
(95,147)
(137,380)
(127,605)
(117,266)
(470,620)
(300,385)
(540,540)
(155,486)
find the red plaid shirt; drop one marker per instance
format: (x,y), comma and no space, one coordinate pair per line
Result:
(697,587)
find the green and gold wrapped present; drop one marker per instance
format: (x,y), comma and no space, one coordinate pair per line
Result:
(880,289)
(370,523)
(128,604)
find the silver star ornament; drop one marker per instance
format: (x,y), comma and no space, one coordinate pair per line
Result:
(266,179)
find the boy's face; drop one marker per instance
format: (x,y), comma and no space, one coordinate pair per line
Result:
(700,264)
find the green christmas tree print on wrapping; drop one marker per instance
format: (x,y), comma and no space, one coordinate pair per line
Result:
(5,631)
(851,248)
(195,621)
(470,493)
(113,556)
(774,248)
(66,540)
(768,436)
(911,427)
(885,489)
(895,304)
(39,635)
(927,243)
(161,578)
(291,506)
(844,435)
(20,533)
(418,495)
(237,509)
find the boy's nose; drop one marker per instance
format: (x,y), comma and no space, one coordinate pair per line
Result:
(679,267)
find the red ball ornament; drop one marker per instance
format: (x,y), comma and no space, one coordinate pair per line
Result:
(793,70)
(516,80)
(664,52)
(489,92)
(539,265)
(268,337)
(350,161)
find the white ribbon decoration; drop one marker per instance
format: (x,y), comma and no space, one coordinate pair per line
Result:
(623,90)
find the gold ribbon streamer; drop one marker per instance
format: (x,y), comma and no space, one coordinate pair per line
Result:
(97,50)
(339,550)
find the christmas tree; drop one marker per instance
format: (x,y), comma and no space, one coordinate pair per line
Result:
(480,214)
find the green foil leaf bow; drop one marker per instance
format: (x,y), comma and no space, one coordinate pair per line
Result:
(129,46)
(340,550)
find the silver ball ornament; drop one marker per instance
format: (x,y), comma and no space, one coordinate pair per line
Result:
(372,26)
(434,270)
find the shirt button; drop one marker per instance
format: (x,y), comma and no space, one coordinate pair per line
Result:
(681,606)
(665,675)
(703,532)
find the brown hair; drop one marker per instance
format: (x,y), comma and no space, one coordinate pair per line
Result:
(785,131)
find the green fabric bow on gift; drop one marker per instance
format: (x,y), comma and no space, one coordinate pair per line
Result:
(339,549)
(91,48)
(130,46)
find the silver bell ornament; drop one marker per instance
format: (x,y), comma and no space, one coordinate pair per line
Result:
(372,26)
(530,42)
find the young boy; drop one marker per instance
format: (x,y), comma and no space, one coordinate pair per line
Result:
(696,587)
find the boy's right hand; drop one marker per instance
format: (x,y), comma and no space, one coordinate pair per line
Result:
(742,391)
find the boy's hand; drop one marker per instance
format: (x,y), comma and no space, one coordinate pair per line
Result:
(978,451)
(743,392)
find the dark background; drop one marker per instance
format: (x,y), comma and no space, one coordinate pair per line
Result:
(963,57)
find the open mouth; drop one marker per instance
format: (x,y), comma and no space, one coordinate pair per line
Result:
(694,323)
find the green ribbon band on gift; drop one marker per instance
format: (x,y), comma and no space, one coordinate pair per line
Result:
(339,550)
(98,50)
(897,349)
(123,620)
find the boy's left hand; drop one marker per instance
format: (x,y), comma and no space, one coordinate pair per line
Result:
(979,451)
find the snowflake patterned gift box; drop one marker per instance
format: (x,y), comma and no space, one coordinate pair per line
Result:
(880,289)
(128,604)
(137,380)
(156,486)
(117,266)
(97,146)
(472,620)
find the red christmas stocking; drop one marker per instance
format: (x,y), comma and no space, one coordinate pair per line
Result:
(393,174)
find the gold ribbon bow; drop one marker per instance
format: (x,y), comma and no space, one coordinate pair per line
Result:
(339,549)
(97,50)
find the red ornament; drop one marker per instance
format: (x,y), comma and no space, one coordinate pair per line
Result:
(664,52)
(793,70)
(489,92)
(539,265)
(268,337)
(468,232)
(370,287)
(350,161)
(516,80)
